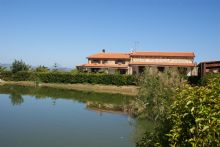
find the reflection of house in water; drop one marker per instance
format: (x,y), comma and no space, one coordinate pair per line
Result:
(135,62)
(208,67)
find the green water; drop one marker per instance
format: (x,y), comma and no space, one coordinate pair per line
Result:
(47,117)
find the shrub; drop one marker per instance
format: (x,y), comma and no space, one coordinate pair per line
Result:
(19,66)
(23,76)
(6,75)
(156,93)
(194,80)
(195,116)
(206,79)
(42,69)
(68,77)
(2,69)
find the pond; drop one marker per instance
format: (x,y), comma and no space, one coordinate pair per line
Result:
(47,117)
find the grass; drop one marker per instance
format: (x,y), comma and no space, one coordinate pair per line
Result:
(126,90)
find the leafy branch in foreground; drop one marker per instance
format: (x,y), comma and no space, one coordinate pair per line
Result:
(195,116)
(193,119)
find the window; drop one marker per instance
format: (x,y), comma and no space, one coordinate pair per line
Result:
(119,62)
(161,69)
(96,61)
(141,69)
(105,62)
(122,71)
(95,70)
(182,70)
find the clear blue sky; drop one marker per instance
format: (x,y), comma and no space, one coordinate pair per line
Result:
(42,32)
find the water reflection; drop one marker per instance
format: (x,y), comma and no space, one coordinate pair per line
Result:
(16,99)
(99,102)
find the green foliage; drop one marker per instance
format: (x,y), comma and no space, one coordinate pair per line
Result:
(42,69)
(182,71)
(23,76)
(18,76)
(195,116)
(150,139)
(117,72)
(6,75)
(206,79)
(19,66)
(156,93)
(68,77)
(102,72)
(194,80)
(86,78)
(2,69)
(16,99)
(74,71)
(56,93)
(158,136)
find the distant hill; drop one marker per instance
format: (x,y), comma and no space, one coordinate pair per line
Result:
(60,68)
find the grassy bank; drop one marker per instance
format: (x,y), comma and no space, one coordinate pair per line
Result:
(126,90)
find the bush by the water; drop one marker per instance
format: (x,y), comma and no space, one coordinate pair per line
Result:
(68,77)
(195,115)
(156,93)
(192,118)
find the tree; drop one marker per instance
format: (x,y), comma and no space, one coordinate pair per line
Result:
(156,93)
(19,66)
(2,68)
(42,69)
(16,99)
(55,67)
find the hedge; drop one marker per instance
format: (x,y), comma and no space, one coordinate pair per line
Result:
(66,77)
(196,80)
(6,75)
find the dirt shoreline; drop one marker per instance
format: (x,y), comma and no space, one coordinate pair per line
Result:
(126,90)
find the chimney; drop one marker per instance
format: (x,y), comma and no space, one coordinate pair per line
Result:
(103,50)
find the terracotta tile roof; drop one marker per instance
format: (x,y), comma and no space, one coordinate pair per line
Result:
(140,54)
(211,61)
(110,56)
(163,54)
(104,65)
(164,64)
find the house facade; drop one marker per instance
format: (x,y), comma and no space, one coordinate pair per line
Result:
(208,67)
(135,62)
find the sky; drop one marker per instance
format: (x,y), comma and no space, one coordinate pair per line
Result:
(44,32)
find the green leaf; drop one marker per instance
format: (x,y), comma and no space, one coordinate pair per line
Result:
(199,119)
(188,103)
(205,128)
